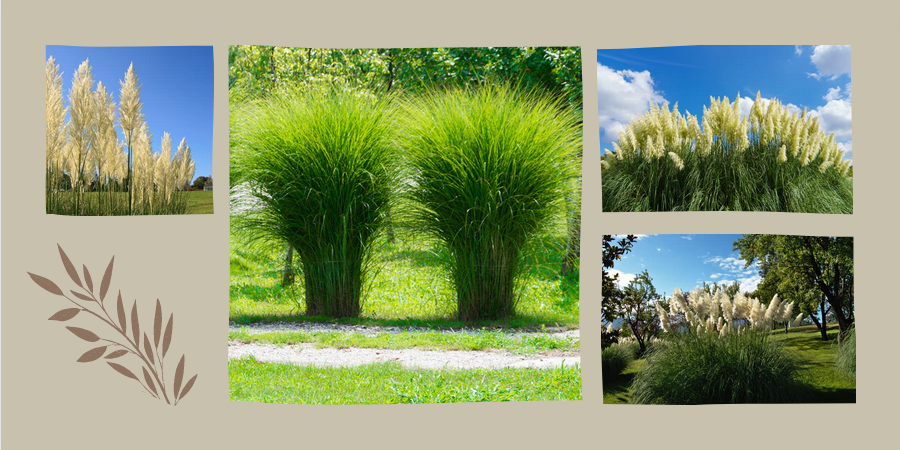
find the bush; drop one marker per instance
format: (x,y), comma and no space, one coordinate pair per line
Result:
(322,167)
(491,167)
(704,368)
(845,363)
(615,359)
(772,160)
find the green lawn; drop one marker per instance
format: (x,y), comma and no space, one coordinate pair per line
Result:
(384,383)
(199,202)
(824,385)
(409,286)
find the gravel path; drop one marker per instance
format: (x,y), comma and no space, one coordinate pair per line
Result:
(370,330)
(308,354)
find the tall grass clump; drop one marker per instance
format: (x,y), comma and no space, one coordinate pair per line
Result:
(87,170)
(322,168)
(615,359)
(490,168)
(774,159)
(845,363)
(703,368)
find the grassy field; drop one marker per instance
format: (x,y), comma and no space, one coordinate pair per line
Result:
(823,384)
(385,383)
(200,202)
(410,286)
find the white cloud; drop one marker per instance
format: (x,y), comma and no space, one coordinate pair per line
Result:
(798,50)
(749,284)
(688,238)
(831,61)
(658,249)
(833,94)
(624,278)
(715,275)
(622,95)
(836,117)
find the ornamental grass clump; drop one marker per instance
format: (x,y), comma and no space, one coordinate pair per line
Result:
(774,159)
(845,363)
(716,313)
(88,172)
(704,368)
(322,168)
(490,168)
(615,359)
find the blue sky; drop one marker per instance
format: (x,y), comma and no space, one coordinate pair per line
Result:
(815,77)
(685,261)
(176,89)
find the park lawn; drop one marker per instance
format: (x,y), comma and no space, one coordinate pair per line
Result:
(409,286)
(429,340)
(199,202)
(823,384)
(387,383)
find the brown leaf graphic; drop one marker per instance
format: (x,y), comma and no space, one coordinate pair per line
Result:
(82,296)
(69,267)
(93,354)
(121,310)
(84,334)
(122,370)
(87,279)
(149,380)
(116,354)
(179,375)
(148,349)
(104,284)
(48,285)
(188,387)
(157,324)
(167,337)
(135,326)
(65,314)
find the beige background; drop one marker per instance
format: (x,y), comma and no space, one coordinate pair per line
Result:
(49,400)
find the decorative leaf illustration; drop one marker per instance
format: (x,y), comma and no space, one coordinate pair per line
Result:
(157,324)
(121,310)
(65,314)
(87,279)
(93,354)
(69,267)
(149,380)
(82,296)
(188,387)
(48,285)
(104,284)
(179,374)
(167,337)
(135,326)
(84,334)
(148,349)
(122,370)
(116,354)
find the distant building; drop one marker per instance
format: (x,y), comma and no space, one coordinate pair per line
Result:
(208,185)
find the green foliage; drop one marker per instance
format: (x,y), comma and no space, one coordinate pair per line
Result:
(387,383)
(490,166)
(845,363)
(692,369)
(805,269)
(321,166)
(613,251)
(615,359)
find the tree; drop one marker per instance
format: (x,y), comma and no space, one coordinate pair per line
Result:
(637,307)
(613,251)
(199,182)
(808,268)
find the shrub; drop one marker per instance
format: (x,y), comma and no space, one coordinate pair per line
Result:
(845,363)
(703,368)
(322,168)
(615,359)
(490,169)
(772,160)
